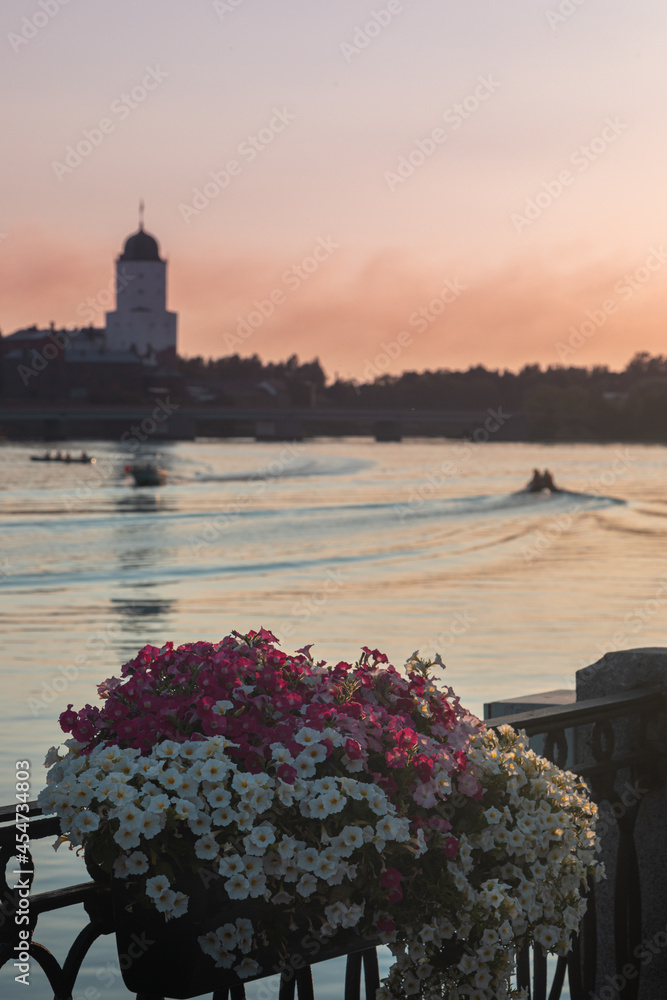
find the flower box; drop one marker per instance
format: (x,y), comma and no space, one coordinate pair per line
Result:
(253,808)
(166,958)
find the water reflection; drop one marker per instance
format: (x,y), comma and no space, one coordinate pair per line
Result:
(142,621)
(157,610)
(144,500)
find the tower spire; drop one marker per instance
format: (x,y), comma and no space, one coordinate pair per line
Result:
(141,213)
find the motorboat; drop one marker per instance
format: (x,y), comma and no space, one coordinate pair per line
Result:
(147,474)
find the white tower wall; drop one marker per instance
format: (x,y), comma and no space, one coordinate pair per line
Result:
(141,321)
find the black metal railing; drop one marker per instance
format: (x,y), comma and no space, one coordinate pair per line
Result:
(583,738)
(589,728)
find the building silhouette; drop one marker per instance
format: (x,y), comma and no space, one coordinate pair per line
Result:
(136,347)
(141,321)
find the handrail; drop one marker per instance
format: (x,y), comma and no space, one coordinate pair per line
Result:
(541,720)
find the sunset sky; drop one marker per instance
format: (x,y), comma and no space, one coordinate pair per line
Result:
(487,176)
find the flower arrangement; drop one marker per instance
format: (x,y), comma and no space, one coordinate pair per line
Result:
(365,798)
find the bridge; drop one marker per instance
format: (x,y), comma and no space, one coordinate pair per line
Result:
(167,420)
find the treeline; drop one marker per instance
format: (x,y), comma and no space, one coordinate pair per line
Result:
(561,404)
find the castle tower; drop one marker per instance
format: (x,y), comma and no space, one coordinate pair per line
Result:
(141,321)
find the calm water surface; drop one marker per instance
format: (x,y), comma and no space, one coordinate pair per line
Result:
(342,543)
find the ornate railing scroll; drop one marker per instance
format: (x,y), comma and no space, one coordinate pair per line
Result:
(591,729)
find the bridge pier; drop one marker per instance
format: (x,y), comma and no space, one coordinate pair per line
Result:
(286,429)
(387,430)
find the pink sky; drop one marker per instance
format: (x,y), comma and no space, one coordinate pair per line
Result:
(407,138)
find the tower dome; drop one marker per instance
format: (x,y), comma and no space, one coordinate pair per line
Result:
(140,246)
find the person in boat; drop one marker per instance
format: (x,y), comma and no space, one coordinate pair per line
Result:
(47,456)
(548,483)
(535,485)
(84,457)
(59,456)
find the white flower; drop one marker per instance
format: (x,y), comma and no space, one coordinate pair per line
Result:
(281,754)
(156,885)
(171,779)
(256,883)
(245,933)
(121,794)
(228,936)
(325,868)
(190,751)
(306,736)
(261,799)
(237,887)
(120,868)
(206,847)
(243,783)
(52,757)
(218,796)
(164,901)
(351,837)
(137,863)
(223,959)
(245,819)
(416,951)
(179,905)
(184,808)
(209,943)
(221,707)
(315,752)
(377,800)
(167,749)
(252,865)
(231,864)
(287,847)
(468,963)
(150,824)
(411,984)
(493,816)
(157,803)
(306,885)
(129,816)
(248,967)
(199,822)
(127,836)
(214,770)
(259,839)
(307,859)
(81,794)
(223,816)
(305,767)
(85,822)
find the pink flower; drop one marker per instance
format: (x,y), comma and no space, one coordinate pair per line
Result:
(451,847)
(396,758)
(353,750)
(391,879)
(286,773)
(67,720)
(423,766)
(406,739)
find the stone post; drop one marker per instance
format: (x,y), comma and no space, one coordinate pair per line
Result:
(635,792)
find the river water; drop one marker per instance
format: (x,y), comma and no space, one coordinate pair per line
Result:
(341,543)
